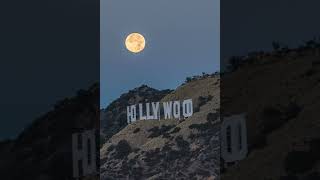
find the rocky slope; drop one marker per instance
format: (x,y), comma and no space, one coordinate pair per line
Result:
(170,149)
(43,151)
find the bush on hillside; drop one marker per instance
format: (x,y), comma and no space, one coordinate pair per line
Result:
(136,130)
(271,119)
(181,143)
(156,131)
(211,117)
(122,150)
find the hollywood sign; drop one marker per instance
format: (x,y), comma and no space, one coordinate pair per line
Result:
(153,111)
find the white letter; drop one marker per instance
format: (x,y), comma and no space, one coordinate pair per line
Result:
(148,111)
(187,108)
(176,109)
(84,153)
(141,113)
(155,109)
(234,145)
(167,107)
(131,114)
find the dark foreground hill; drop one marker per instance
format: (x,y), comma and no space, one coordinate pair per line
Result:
(43,150)
(280,93)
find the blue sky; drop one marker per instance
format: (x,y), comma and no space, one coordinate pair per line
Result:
(182,39)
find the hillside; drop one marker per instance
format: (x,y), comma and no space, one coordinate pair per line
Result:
(279,92)
(43,151)
(169,149)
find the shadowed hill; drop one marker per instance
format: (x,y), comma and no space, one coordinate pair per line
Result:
(44,149)
(279,92)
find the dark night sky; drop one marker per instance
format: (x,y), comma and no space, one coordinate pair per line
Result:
(49,50)
(250,25)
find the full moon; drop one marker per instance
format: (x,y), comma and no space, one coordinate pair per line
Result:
(135,42)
